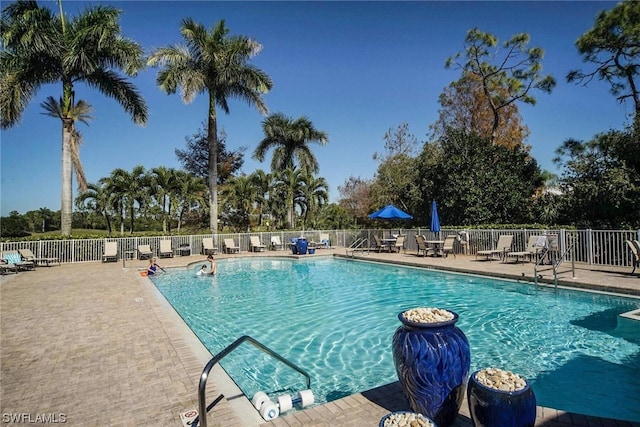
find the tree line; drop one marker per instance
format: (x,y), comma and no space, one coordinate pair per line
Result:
(475,163)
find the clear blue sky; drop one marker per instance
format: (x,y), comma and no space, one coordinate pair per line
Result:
(355,69)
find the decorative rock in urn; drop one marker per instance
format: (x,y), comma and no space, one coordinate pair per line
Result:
(406,419)
(500,398)
(432,360)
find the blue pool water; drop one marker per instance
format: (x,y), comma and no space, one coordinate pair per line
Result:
(336,318)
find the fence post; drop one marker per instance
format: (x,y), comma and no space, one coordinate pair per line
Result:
(589,246)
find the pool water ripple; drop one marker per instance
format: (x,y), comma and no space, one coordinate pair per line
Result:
(336,318)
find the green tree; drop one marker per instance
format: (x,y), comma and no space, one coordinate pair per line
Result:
(190,194)
(15,225)
(612,47)
(288,187)
(315,194)
(40,48)
(290,140)
(355,197)
(505,77)
(239,196)
(215,63)
(163,184)
(262,184)
(129,189)
(195,158)
(476,181)
(601,180)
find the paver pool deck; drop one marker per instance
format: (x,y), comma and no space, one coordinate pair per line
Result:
(96,344)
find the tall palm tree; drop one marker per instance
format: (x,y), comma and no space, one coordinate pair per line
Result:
(262,184)
(79,113)
(288,185)
(290,140)
(215,63)
(239,195)
(41,48)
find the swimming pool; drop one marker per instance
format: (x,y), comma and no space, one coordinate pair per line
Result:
(335,318)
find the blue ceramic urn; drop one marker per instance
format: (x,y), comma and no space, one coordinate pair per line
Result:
(432,361)
(490,407)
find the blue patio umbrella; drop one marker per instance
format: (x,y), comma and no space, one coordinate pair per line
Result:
(435,220)
(390,212)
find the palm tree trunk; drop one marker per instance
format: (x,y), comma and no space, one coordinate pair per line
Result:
(66,210)
(212,138)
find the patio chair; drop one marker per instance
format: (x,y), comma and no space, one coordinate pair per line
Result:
(14,257)
(634,247)
(7,266)
(166,249)
(379,246)
(207,246)
(28,255)
(231,247)
(276,243)
(110,251)
(256,244)
(532,249)
(502,247)
(447,246)
(422,246)
(399,244)
(325,241)
(144,252)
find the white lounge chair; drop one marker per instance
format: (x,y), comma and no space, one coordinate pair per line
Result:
(256,244)
(447,246)
(110,251)
(28,255)
(207,246)
(502,247)
(144,252)
(166,249)
(532,249)
(231,247)
(276,244)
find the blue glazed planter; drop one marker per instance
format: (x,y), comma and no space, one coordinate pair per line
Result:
(489,407)
(432,361)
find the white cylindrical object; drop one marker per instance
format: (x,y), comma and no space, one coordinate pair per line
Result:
(269,411)
(259,399)
(306,397)
(285,403)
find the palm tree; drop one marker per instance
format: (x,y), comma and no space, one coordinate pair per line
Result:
(290,140)
(289,184)
(98,199)
(163,183)
(262,184)
(190,192)
(316,194)
(239,195)
(80,112)
(128,189)
(41,48)
(215,63)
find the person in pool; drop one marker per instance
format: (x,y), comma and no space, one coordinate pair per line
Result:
(214,268)
(202,271)
(153,267)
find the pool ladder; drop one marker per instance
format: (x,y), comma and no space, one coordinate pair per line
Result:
(203,409)
(358,245)
(555,264)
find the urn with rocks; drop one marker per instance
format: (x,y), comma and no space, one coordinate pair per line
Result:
(499,398)
(432,359)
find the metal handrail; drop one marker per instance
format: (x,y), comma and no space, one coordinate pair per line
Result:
(201,419)
(557,263)
(357,244)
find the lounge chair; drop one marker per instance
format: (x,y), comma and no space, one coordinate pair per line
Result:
(502,247)
(28,255)
(276,243)
(110,251)
(447,246)
(256,244)
(166,249)
(7,266)
(145,252)
(231,247)
(207,246)
(14,257)
(325,241)
(534,246)
(399,244)
(379,246)
(634,247)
